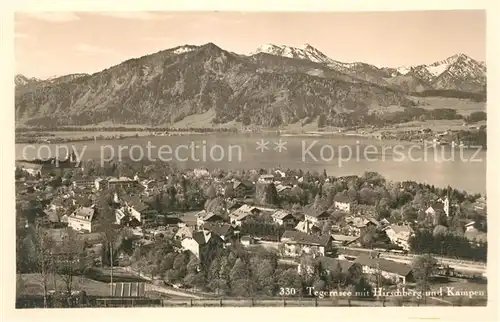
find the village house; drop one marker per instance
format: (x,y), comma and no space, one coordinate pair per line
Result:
(121,181)
(31,169)
(148,184)
(330,265)
(240,188)
(283,217)
(224,231)
(83,219)
(470,226)
(242,213)
(201,242)
(100,183)
(139,210)
(307,227)
(204,217)
(398,273)
(358,224)
(400,235)
(281,188)
(480,204)
(247,240)
(342,203)
(297,243)
(314,216)
(436,207)
(52,218)
(384,222)
(280,173)
(84,183)
(233,204)
(201,172)
(122,219)
(343,240)
(266,178)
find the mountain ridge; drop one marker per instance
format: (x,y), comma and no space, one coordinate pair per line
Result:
(259,89)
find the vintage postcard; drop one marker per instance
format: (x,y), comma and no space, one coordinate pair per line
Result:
(329,159)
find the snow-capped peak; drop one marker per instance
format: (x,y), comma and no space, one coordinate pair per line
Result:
(305,51)
(453,64)
(184,49)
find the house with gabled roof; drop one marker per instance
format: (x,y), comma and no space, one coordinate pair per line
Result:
(224,231)
(308,227)
(201,242)
(266,178)
(242,213)
(342,203)
(329,265)
(208,217)
(297,243)
(121,181)
(400,235)
(241,188)
(83,219)
(140,210)
(343,240)
(283,217)
(315,216)
(399,273)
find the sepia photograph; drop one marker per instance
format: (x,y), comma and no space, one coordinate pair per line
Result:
(250,159)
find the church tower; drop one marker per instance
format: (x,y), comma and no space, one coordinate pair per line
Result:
(446,202)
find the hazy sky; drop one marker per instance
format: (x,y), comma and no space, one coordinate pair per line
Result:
(58,43)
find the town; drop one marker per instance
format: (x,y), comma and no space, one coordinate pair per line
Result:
(264,233)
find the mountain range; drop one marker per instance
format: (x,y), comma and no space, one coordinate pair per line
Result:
(275,85)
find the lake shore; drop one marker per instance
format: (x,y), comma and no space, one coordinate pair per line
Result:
(94,135)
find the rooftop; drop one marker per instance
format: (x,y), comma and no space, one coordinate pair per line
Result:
(303,238)
(85,213)
(384,265)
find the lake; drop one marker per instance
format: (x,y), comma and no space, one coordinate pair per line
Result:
(464,169)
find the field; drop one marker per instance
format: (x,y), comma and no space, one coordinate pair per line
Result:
(463,106)
(32,285)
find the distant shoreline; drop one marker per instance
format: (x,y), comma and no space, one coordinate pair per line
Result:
(96,135)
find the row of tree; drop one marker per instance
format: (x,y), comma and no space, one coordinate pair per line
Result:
(448,245)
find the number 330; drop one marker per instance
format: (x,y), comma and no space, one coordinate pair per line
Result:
(287,291)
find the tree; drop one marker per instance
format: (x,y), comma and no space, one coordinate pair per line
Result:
(289,278)
(477,116)
(42,245)
(216,205)
(369,236)
(110,234)
(263,275)
(321,121)
(219,276)
(211,192)
(327,228)
(439,230)
(318,204)
(240,280)
(270,196)
(424,267)
(69,260)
